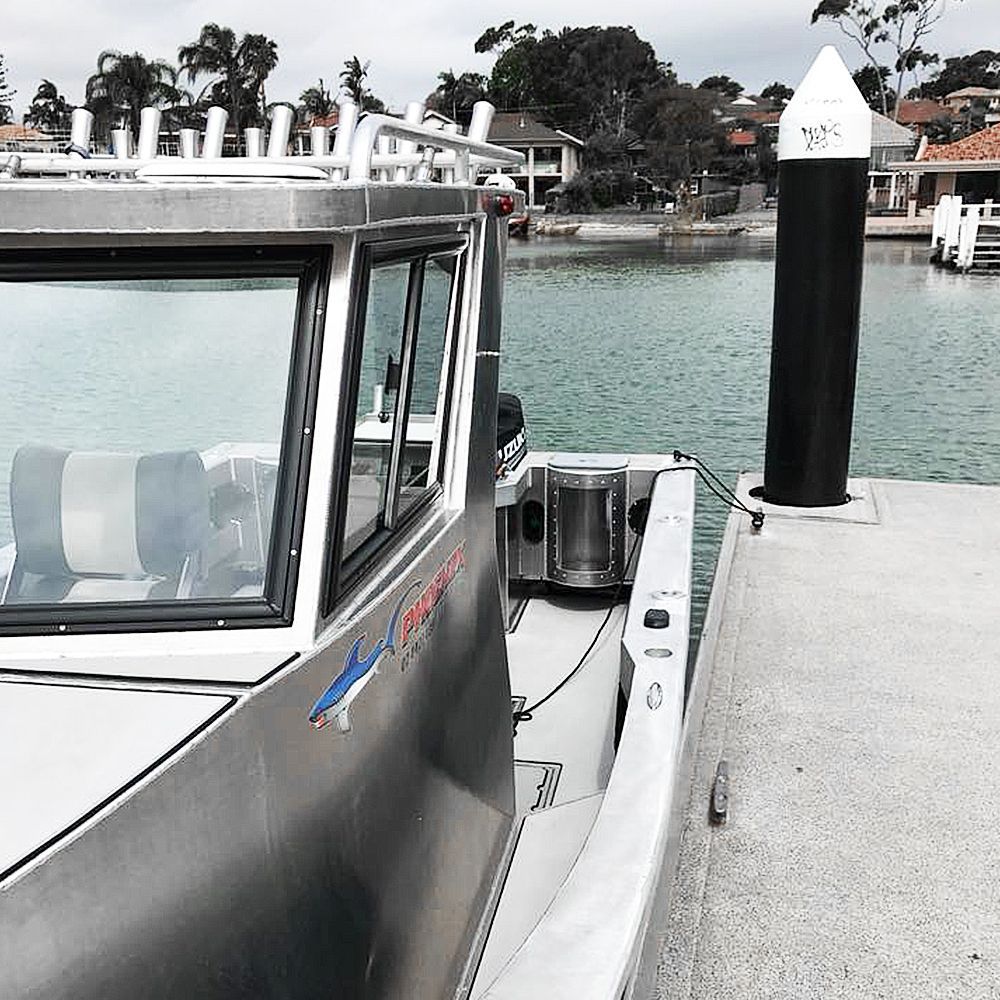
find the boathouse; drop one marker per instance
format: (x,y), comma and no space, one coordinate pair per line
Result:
(551,155)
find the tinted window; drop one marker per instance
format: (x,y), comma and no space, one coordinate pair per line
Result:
(403,371)
(140,449)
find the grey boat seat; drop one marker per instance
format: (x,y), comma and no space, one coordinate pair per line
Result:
(103,526)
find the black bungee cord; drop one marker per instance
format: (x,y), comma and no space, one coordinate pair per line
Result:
(637,520)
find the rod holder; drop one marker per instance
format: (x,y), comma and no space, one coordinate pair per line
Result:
(253,140)
(81,126)
(415,116)
(121,143)
(188,143)
(319,137)
(482,119)
(281,129)
(215,133)
(149,133)
(347,120)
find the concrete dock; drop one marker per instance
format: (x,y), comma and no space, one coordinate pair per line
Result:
(849,675)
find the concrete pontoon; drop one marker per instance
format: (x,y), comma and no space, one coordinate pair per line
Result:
(847,677)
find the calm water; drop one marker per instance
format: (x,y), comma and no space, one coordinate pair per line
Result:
(621,346)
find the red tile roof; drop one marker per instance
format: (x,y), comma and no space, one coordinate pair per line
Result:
(921,112)
(324,121)
(14,132)
(983,145)
(742,139)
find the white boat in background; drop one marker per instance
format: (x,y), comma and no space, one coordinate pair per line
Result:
(272,592)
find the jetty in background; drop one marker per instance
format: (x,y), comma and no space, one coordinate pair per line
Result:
(966,236)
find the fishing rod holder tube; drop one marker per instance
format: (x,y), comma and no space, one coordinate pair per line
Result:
(824,150)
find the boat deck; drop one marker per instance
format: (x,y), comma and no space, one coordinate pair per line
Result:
(849,677)
(563,756)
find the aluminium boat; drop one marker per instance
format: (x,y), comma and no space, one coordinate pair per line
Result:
(312,684)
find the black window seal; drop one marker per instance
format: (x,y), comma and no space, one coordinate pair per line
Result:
(310,265)
(344,576)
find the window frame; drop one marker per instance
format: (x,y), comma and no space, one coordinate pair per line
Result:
(310,265)
(343,575)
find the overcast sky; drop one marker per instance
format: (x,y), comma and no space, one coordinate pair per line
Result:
(755,41)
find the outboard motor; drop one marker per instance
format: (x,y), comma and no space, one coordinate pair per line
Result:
(512,446)
(512,443)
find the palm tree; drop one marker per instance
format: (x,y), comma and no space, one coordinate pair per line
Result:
(125,83)
(316,102)
(455,95)
(6,95)
(240,68)
(353,84)
(258,56)
(49,110)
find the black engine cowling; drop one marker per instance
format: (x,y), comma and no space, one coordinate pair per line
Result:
(512,442)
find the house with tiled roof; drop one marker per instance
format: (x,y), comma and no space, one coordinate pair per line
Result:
(969,167)
(917,115)
(552,156)
(22,139)
(960,100)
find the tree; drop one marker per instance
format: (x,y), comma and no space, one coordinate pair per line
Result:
(872,82)
(316,102)
(899,25)
(352,82)
(49,110)
(514,72)
(683,134)
(6,95)
(124,84)
(586,80)
(259,56)
(981,69)
(240,68)
(778,93)
(455,95)
(723,85)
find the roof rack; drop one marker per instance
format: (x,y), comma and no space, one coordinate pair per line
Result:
(366,148)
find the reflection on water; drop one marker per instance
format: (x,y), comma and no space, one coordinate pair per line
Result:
(625,346)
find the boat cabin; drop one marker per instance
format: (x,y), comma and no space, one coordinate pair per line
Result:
(310,683)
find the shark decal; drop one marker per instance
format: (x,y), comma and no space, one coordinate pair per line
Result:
(356,666)
(403,625)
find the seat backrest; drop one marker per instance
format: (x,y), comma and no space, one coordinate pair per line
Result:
(80,514)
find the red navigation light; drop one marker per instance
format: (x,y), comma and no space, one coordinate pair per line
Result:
(504,204)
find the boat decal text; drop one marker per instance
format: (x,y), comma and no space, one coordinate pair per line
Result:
(403,627)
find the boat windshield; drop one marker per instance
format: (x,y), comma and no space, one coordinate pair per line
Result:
(141,443)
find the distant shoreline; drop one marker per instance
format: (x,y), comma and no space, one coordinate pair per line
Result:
(759,224)
(653,225)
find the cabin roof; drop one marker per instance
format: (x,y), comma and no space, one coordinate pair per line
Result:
(45,212)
